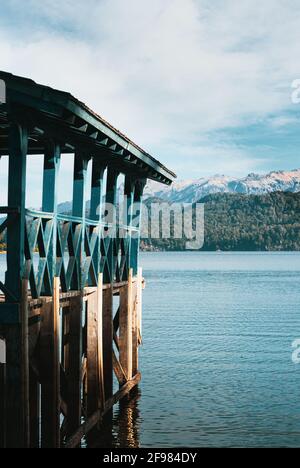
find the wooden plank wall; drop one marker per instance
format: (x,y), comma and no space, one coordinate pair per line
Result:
(72,349)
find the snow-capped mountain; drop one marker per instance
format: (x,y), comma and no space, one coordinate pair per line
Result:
(189,191)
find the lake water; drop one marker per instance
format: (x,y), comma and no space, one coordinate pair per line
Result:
(216,356)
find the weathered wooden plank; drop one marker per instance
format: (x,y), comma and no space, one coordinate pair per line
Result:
(107,342)
(2,405)
(93,391)
(125,327)
(34,409)
(74,365)
(101,387)
(135,336)
(119,371)
(93,420)
(17,378)
(139,305)
(16,334)
(50,372)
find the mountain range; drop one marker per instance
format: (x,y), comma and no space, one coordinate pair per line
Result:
(192,190)
(189,191)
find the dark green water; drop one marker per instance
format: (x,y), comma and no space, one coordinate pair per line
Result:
(216,358)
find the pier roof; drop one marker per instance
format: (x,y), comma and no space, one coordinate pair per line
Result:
(58,114)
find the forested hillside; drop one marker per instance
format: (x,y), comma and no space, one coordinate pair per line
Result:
(245,222)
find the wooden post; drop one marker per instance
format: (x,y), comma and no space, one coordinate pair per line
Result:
(135,327)
(111,201)
(107,342)
(16,333)
(50,371)
(95,383)
(129,188)
(49,202)
(136,221)
(2,394)
(139,303)
(100,342)
(34,408)
(125,321)
(92,354)
(78,210)
(74,365)
(96,206)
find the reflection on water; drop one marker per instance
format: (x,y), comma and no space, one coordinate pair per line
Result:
(123,430)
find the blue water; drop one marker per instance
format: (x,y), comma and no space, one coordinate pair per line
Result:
(216,358)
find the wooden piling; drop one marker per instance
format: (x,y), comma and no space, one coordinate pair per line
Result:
(107,342)
(125,325)
(50,372)
(34,409)
(2,405)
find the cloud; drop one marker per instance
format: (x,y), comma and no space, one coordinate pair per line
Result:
(163,72)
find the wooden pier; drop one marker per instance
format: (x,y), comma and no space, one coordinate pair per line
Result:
(71,302)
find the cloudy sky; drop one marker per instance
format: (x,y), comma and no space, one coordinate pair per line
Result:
(204,85)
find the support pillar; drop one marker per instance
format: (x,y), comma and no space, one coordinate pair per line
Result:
(16,333)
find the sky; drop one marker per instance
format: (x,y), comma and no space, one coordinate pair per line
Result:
(203,85)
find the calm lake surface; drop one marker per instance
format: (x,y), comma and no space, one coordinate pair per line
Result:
(216,359)
(216,356)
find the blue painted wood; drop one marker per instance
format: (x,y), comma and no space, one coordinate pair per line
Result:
(78,209)
(135,241)
(49,204)
(96,215)
(129,189)
(18,143)
(111,200)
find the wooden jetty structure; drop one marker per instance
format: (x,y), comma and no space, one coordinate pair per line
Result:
(70,304)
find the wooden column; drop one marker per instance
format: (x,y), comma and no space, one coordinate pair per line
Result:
(136,221)
(96,190)
(107,342)
(93,392)
(50,371)
(135,328)
(49,204)
(74,365)
(3,395)
(95,384)
(111,201)
(101,396)
(34,409)
(129,188)
(96,207)
(125,324)
(16,333)
(78,210)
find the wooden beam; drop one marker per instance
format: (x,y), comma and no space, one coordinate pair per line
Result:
(2,405)
(74,365)
(93,420)
(50,372)
(17,378)
(107,342)
(78,210)
(118,370)
(101,387)
(34,402)
(93,391)
(125,327)
(135,327)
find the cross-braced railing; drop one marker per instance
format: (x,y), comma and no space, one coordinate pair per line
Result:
(77,251)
